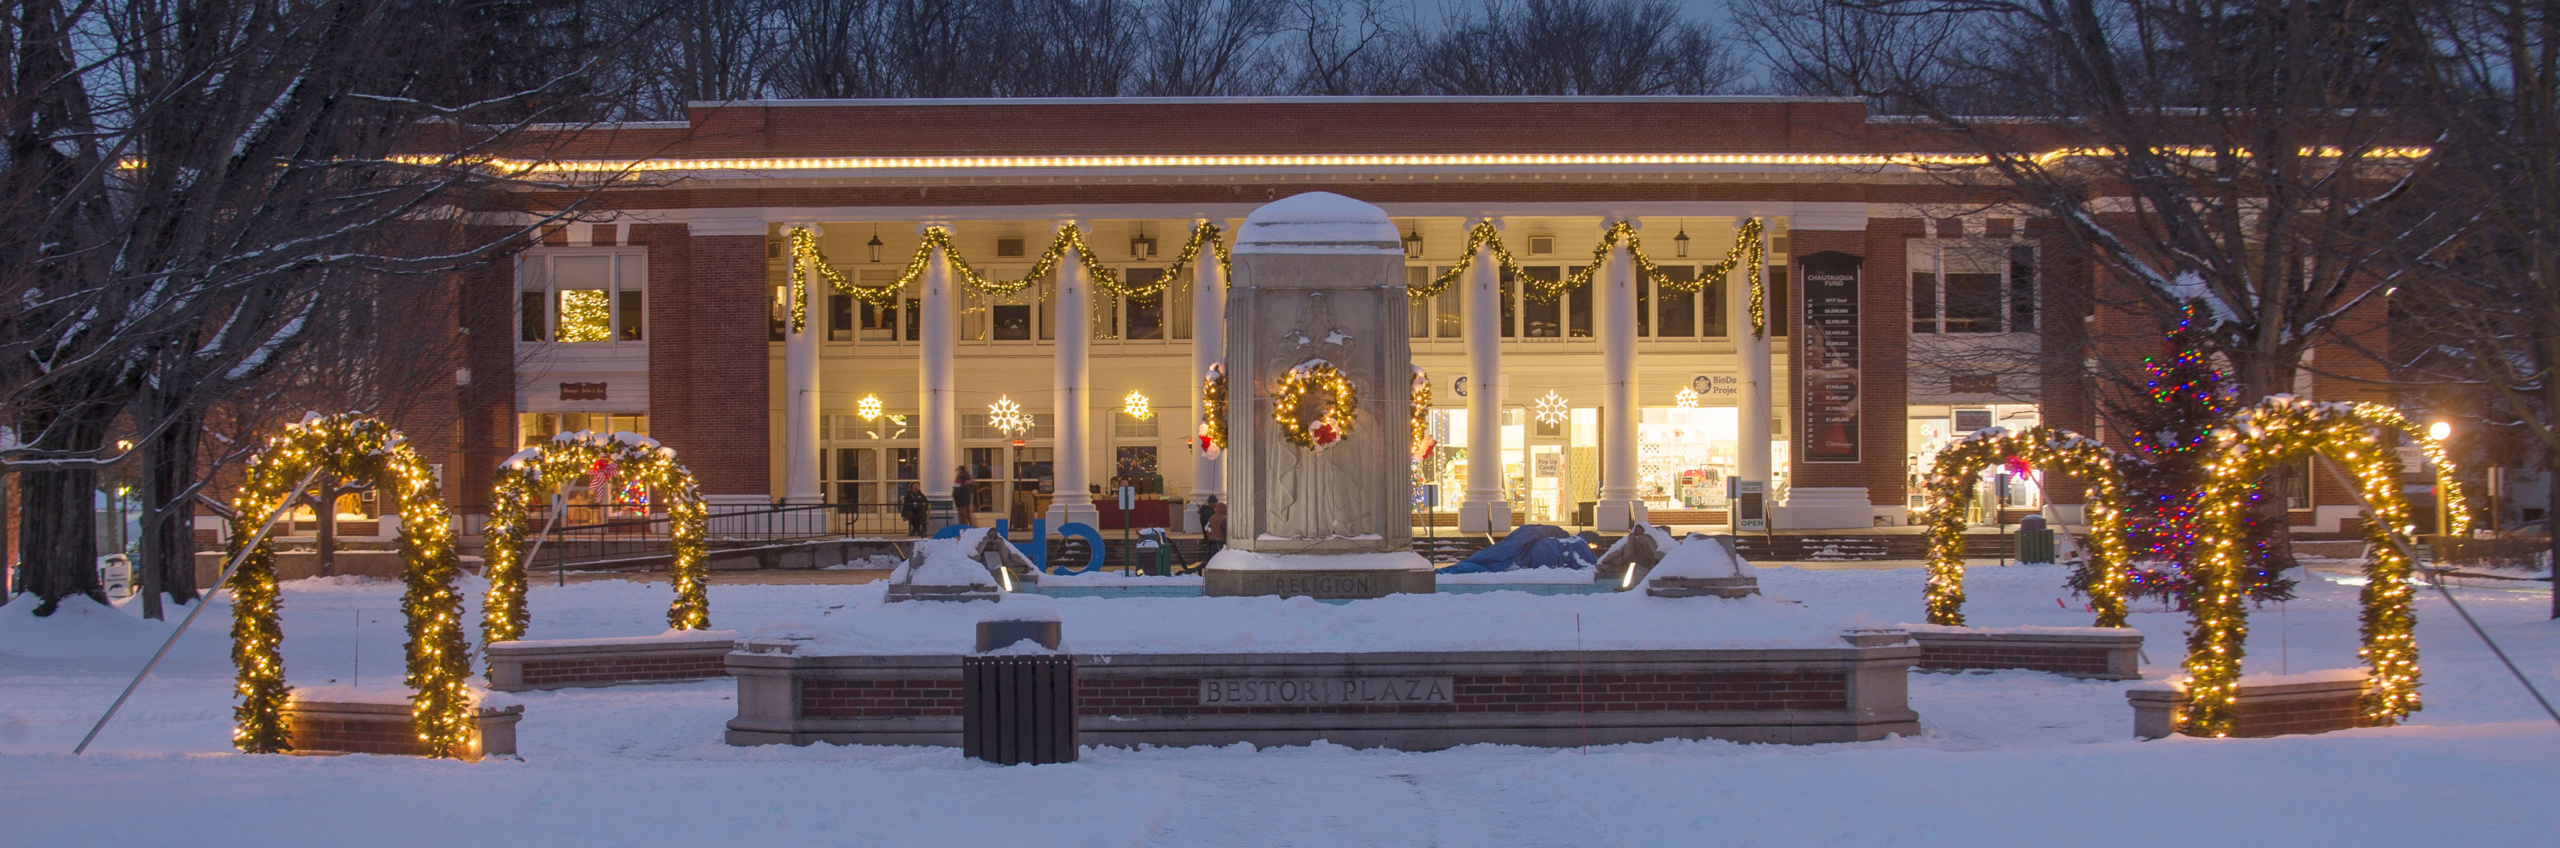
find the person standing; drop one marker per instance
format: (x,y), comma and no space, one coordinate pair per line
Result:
(961,503)
(1213,529)
(916,509)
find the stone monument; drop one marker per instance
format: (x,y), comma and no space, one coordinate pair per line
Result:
(1319,489)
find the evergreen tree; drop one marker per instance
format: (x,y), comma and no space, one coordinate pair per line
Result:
(2169,427)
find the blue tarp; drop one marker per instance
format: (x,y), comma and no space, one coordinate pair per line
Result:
(1530,546)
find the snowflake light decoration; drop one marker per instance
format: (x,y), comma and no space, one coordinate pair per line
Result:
(1006,416)
(1686,399)
(1552,409)
(868,407)
(1136,405)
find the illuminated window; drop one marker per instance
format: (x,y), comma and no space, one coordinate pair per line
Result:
(538,427)
(582,295)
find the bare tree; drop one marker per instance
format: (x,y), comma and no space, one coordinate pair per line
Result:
(2237,153)
(180,207)
(1200,49)
(1342,47)
(1585,47)
(2486,293)
(681,51)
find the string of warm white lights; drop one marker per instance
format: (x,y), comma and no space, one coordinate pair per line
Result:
(1213,411)
(555,463)
(1315,160)
(1315,405)
(1950,490)
(805,254)
(1422,443)
(352,447)
(1748,253)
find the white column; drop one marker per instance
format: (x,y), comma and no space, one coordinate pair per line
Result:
(1072,454)
(937,386)
(1484,510)
(1752,357)
(1619,510)
(1208,343)
(800,386)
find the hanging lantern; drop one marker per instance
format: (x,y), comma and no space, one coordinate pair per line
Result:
(875,243)
(1413,241)
(1680,241)
(1142,244)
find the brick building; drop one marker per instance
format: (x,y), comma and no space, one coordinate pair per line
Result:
(1937,310)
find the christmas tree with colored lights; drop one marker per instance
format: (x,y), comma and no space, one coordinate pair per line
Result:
(2168,429)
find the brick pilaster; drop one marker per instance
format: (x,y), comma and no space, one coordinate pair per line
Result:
(715,406)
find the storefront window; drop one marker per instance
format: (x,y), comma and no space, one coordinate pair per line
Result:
(1685,455)
(2000,487)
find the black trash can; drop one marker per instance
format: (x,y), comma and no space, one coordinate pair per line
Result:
(1018,709)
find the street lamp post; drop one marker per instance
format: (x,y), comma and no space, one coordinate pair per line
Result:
(2444,514)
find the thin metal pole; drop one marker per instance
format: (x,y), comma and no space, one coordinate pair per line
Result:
(259,538)
(2437,580)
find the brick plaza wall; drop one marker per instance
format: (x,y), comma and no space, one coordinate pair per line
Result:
(565,663)
(1538,698)
(2103,653)
(2276,709)
(338,727)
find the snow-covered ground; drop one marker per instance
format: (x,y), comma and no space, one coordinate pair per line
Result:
(2010,758)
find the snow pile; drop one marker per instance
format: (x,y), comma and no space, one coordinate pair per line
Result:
(947,562)
(1230,559)
(1116,578)
(870,563)
(1498,621)
(1699,556)
(1542,576)
(1021,607)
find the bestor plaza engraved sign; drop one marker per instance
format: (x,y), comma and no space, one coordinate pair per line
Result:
(1323,691)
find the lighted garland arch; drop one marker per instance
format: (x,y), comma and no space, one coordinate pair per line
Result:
(2277,431)
(1950,490)
(570,456)
(363,448)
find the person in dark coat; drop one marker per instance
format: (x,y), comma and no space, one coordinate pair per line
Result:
(916,509)
(1213,531)
(960,501)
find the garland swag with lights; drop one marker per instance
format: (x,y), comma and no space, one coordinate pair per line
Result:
(2278,431)
(567,457)
(1747,253)
(1212,441)
(354,447)
(1422,441)
(1315,405)
(1950,490)
(805,254)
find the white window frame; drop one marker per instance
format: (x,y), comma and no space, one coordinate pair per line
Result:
(615,285)
(1930,255)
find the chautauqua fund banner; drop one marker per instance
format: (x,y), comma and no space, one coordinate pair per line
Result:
(1830,382)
